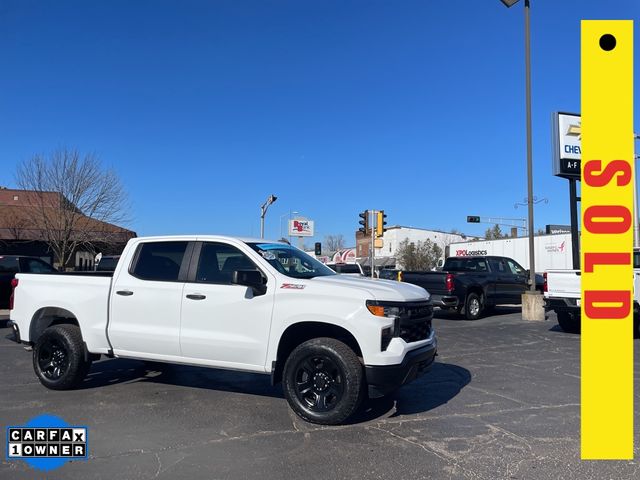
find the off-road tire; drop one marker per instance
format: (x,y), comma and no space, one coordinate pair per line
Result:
(336,367)
(62,344)
(569,322)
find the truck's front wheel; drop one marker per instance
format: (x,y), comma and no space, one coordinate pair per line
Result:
(59,357)
(323,381)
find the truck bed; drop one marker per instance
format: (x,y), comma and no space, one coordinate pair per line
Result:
(54,295)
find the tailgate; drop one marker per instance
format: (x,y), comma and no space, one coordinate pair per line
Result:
(432,282)
(563,283)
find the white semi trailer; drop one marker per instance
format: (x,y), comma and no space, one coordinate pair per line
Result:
(552,252)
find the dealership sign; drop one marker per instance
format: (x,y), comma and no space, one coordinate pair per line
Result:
(567,148)
(554,229)
(301,228)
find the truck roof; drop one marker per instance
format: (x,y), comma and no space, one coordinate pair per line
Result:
(205,238)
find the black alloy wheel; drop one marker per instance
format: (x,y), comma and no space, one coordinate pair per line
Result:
(60,359)
(53,360)
(323,381)
(319,383)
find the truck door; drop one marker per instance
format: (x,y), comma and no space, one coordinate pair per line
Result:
(503,277)
(518,282)
(226,324)
(146,299)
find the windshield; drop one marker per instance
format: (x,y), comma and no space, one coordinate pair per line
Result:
(290,261)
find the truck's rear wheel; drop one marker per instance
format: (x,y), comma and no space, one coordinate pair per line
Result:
(569,322)
(473,306)
(59,357)
(323,381)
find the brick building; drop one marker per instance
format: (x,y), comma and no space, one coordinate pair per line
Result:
(26,218)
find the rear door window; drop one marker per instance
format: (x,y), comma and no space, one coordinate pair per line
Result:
(498,265)
(160,261)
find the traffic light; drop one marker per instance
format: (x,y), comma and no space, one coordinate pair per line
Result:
(382,221)
(318,249)
(473,219)
(364,221)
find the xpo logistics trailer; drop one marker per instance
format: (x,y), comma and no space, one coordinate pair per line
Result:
(552,252)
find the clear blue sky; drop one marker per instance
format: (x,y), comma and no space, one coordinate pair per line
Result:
(206,107)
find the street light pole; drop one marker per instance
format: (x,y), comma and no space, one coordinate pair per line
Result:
(263,211)
(527,61)
(527,36)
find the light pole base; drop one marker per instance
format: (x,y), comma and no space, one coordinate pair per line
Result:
(533,306)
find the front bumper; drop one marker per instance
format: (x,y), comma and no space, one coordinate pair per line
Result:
(384,379)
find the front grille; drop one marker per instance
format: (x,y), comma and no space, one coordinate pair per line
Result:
(415,323)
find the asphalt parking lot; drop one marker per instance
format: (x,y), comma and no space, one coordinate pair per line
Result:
(502,402)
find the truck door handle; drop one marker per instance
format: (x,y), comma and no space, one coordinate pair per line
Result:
(192,296)
(125,293)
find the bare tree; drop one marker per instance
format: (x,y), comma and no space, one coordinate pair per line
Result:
(333,243)
(75,203)
(420,256)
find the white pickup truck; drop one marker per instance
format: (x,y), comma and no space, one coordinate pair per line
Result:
(240,304)
(562,291)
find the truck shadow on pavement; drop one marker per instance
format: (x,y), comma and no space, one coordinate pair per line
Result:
(115,371)
(440,385)
(437,387)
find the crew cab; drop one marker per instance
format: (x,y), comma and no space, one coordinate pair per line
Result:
(471,284)
(563,290)
(239,304)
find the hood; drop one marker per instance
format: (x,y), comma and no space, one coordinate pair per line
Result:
(383,290)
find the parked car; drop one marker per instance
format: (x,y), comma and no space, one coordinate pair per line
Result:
(107,263)
(470,285)
(563,289)
(353,269)
(12,264)
(238,304)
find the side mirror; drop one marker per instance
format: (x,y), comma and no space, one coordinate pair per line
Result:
(250,278)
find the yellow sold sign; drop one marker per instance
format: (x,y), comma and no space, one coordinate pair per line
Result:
(607,240)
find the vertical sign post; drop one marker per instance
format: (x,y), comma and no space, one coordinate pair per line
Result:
(607,239)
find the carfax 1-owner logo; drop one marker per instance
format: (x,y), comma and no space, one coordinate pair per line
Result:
(47,442)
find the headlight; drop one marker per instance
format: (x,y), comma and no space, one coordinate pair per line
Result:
(380,309)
